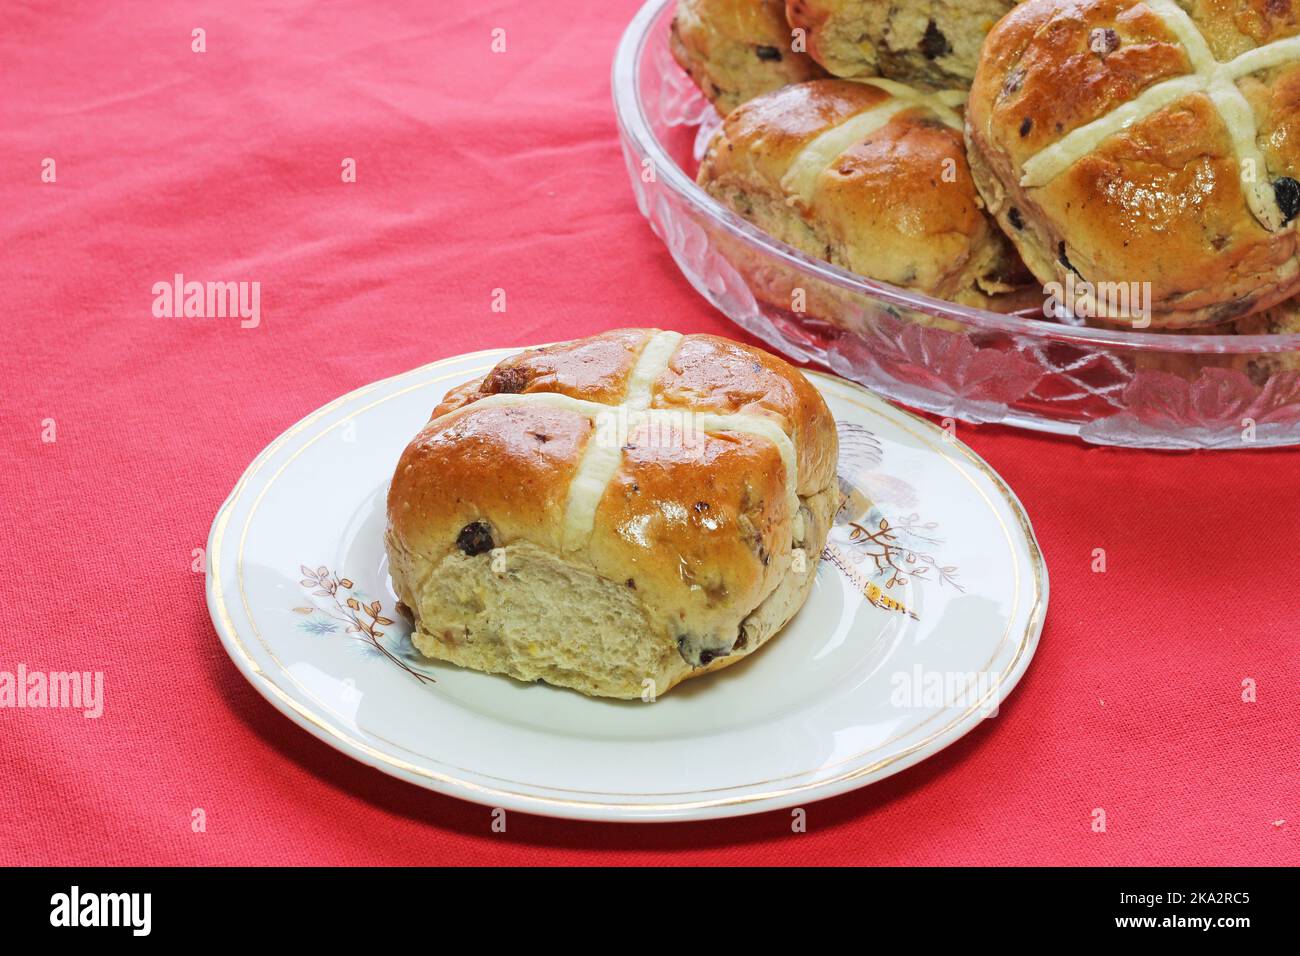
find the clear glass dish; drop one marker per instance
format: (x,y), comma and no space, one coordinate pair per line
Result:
(1109,387)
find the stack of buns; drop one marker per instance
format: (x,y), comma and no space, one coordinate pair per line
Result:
(963,149)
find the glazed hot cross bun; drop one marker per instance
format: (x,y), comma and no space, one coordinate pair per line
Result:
(870,175)
(928,42)
(1146,141)
(614,514)
(736,49)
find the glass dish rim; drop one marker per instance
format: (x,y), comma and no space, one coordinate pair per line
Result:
(634,125)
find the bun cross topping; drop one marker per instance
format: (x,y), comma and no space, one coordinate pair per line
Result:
(614,423)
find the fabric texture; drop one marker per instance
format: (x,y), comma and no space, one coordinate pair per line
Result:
(478,171)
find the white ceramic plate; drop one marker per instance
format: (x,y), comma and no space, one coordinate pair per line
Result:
(925,613)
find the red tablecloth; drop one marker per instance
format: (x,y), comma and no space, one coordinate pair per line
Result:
(477,171)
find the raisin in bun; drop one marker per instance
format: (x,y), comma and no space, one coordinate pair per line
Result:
(929,42)
(870,176)
(614,514)
(1134,142)
(736,49)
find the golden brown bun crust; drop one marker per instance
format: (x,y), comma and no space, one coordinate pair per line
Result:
(705,372)
(695,529)
(766,135)
(710,372)
(1160,201)
(899,205)
(466,451)
(930,42)
(737,49)
(594,369)
(699,526)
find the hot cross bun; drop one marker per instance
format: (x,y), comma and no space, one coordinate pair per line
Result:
(870,175)
(1146,141)
(614,514)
